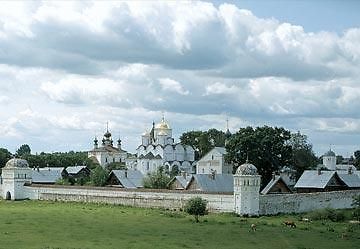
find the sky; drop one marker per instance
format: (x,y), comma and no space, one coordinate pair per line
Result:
(67,68)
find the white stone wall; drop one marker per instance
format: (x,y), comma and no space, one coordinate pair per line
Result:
(269,204)
(304,202)
(168,199)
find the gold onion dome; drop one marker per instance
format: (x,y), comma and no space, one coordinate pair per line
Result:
(163,125)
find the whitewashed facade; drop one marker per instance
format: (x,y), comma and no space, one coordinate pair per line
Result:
(107,152)
(214,162)
(246,190)
(158,148)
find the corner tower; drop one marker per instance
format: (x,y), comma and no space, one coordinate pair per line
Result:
(246,190)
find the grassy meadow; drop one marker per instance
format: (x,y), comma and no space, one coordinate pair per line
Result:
(56,225)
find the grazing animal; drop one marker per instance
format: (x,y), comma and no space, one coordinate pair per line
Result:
(306,220)
(290,223)
(253,227)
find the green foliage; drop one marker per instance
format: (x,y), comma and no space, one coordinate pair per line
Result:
(156,180)
(115,166)
(356,202)
(174,171)
(303,157)
(357,159)
(59,159)
(23,151)
(197,207)
(266,147)
(356,205)
(63,181)
(98,176)
(327,214)
(203,141)
(5,156)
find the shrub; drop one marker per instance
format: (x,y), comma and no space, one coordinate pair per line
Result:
(197,207)
(98,176)
(327,214)
(156,180)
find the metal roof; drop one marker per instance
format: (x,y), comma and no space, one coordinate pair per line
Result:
(74,169)
(351,180)
(134,178)
(184,181)
(311,179)
(272,183)
(46,175)
(220,183)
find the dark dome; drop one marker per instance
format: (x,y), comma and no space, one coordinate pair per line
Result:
(17,163)
(246,169)
(330,153)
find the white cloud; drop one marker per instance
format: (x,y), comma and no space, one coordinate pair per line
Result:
(172,86)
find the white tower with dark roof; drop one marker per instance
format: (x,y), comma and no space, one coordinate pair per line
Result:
(246,190)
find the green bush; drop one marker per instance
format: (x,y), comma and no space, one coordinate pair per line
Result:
(327,214)
(197,207)
(98,176)
(156,180)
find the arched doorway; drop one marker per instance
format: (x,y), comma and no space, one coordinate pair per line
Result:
(8,196)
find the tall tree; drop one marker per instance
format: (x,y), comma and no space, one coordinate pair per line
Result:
(203,141)
(266,147)
(357,159)
(23,150)
(303,157)
(5,156)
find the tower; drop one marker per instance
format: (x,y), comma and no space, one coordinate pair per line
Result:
(329,160)
(246,190)
(16,174)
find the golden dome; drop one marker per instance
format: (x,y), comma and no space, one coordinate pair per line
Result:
(163,125)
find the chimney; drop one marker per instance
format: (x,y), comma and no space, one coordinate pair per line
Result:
(319,171)
(126,174)
(350,170)
(37,168)
(273,176)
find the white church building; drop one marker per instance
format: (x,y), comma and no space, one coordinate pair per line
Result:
(158,148)
(107,153)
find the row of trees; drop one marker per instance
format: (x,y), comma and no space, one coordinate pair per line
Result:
(269,148)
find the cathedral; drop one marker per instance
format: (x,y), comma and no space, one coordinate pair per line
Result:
(158,148)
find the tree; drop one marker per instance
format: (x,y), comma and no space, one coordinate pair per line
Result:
(157,179)
(5,156)
(356,205)
(265,147)
(303,157)
(23,150)
(98,176)
(203,141)
(197,207)
(357,159)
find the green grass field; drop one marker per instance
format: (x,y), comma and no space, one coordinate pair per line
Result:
(50,225)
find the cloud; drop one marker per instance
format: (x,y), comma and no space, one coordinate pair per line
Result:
(172,86)
(123,62)
(225,41)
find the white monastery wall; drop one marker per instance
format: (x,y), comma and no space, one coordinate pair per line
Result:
(268,204)
(304,202)
(172,200)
